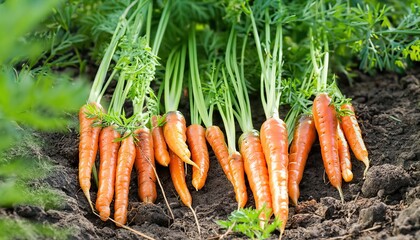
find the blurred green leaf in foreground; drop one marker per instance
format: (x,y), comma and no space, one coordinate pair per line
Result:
(29,101)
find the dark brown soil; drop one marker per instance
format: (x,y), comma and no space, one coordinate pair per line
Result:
(385,205)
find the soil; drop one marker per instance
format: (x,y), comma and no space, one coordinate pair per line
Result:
(384,205)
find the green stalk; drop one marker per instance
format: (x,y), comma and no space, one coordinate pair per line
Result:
(197,102)
(98,82)
(174,77)
(270,66)
(164,19)
(241,102)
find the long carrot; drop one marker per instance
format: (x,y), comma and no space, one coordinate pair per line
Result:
(88,145)
(177,171)
(108,152)
(159,145)
(145,164)
(325,119)
(344,155)
(236,167)
(353,135)
(126,158)
(174,131)
(216,139)
(200,155)
(274,142)
(303,139)
(256,169)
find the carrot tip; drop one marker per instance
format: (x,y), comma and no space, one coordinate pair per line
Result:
(366,162)
(340,191)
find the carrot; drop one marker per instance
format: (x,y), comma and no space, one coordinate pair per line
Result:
(353,135)
(88,146)
(303,139)
(325,119)
(216,139)
(125,162)
(256,169)
(177,171)
(108,152)
(145,164)
(236,168)
(159,145)
(274,142)
(344,155)
(200,155)
(174,131)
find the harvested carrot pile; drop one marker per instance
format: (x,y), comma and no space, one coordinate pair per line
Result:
(250,92)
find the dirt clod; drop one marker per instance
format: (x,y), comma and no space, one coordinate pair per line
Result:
(387,177)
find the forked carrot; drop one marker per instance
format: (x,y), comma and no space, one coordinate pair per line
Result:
(216,139)
(88,145)
(200,155)
(274,142)
(174,131)
(177,171)
(256,169)
(325,119)
(353,135)
(303,139)
(108,151)
(145,164)
(236,167)
(126,158)
(344,154)
(159,145)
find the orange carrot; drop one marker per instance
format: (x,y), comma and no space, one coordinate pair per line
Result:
(174,131)
(353,135)
(325,119)
(236,168)
(108,152)
(159,145)
(88,146)
(145,164)
(125,162)
(256,169)
(274,142)
(303,139)
(200,155)
(344,155)
(177,171)
(216,139)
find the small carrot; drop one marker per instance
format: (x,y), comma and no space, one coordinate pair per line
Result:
(256,169)
(145,164)
(88,146)
(274,142)
(236,168)
(216,139)
(344,155)
(325,119)
(353,135)
(200,155)
(174,131)
(159,145)
(125,162)
(303,139)
(177,171)
(108,152)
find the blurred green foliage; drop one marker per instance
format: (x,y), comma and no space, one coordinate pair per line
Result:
(31,98)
